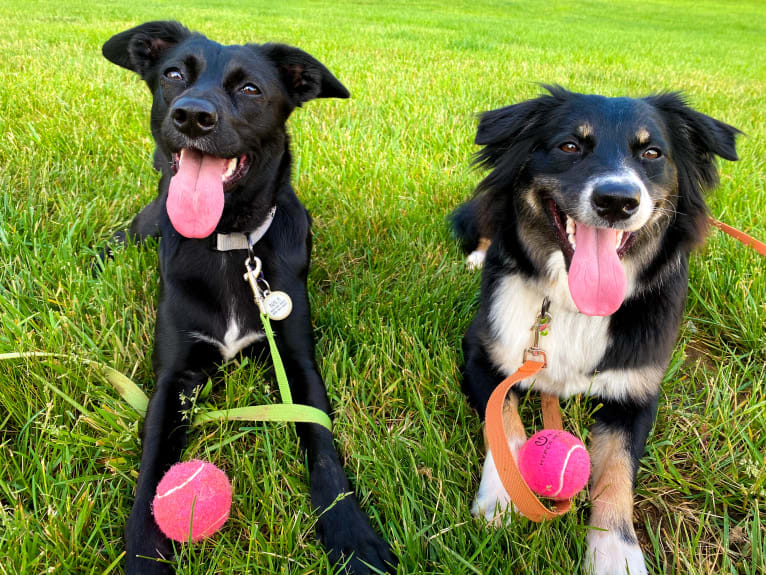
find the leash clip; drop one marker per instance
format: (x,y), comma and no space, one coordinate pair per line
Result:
(540,327)
(253,268)
(275,305)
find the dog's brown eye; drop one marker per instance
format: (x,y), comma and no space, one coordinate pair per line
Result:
(651,154)
(569,147)
(174,74)
(250,89)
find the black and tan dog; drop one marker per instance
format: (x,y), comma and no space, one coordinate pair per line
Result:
(218,120)
(594,203)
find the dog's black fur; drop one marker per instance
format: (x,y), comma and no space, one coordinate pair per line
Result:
(248,93)
(545,155)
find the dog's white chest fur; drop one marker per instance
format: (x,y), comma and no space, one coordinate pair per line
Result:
(233,341)
(574,345)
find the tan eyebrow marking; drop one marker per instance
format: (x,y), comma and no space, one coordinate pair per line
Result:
(585,130)
(643,136)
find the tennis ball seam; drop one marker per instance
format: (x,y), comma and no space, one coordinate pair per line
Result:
(564,468)
(182,485)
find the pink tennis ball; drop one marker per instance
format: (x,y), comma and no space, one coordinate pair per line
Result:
(193,499)
(554,463)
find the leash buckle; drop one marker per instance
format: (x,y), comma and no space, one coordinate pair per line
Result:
(535,354)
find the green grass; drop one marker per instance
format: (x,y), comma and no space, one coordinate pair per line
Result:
(390,293)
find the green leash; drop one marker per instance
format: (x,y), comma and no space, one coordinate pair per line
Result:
(285,411)
(274,305)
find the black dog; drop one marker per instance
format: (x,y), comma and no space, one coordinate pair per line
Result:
(594,203)
(218,119)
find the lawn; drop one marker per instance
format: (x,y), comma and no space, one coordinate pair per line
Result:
(390,293)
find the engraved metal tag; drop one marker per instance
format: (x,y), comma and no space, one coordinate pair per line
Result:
(278,305)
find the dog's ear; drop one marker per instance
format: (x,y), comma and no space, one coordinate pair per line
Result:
(696,140)
(513,129)
(507,128)
(304,77)
(506,123)
(717,136)
(139,48)
(517,121)
(706,135)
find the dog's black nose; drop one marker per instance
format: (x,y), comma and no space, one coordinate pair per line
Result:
(616,200)
(194,117)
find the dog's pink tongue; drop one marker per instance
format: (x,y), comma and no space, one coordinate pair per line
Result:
(596,276)
(195,198)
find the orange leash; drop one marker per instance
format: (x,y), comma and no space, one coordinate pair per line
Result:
(522,496)
(749,241)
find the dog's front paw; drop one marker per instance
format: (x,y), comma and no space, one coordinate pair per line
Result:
(475,259)
(148,551)
(609,553)
(351,542)
(497,509)
(492,501)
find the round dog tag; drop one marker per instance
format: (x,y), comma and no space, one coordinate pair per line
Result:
(278,305)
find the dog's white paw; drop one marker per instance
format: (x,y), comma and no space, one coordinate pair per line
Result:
(492,501)
(475,259)
(610,554)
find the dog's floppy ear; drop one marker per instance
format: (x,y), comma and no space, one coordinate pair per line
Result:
(715,135)
(139,48)
(506,123)
(514,126)
(304,77)
(516,121)
(696,140)
(500,129)
(706,135)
